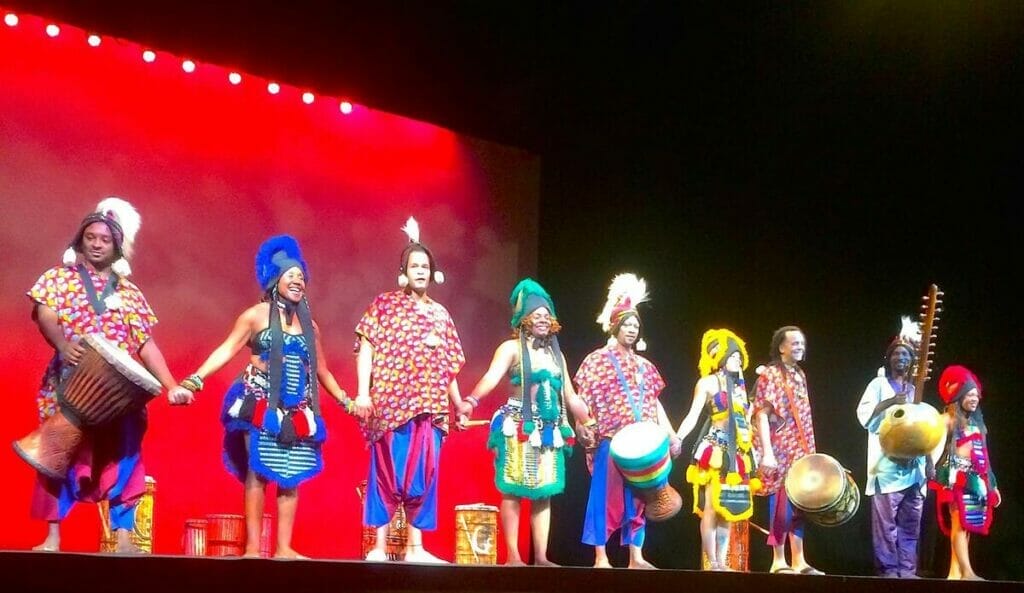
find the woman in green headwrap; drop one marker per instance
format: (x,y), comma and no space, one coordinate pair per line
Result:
(531,434)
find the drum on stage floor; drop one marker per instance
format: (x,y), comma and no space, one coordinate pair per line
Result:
(823,489)
(225,535)
(476,534)
(193,540)
(142,534)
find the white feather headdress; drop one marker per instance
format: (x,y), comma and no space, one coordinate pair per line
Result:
(625,293)
(412,229)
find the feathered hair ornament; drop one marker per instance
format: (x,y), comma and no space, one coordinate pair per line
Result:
(124,223)
(625,293)
(909,338)
(412,230)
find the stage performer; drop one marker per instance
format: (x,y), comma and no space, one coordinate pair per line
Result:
(409,354)
(91,294)
(620,387)
(783,433)
(964,480)
(897,486)
(722,460)
(531,434)
(273,426)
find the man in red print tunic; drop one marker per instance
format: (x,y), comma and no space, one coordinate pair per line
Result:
(91,294)
(620,388)
(409,354)
(783,433)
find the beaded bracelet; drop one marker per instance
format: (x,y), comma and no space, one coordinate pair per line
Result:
(193,383)
(472,401)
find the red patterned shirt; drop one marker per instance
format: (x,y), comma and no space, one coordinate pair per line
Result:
(780,392)
(416,355)
(597,381)
(128,320)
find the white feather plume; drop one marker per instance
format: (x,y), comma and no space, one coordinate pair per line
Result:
(623,286)
(412,229)
(127,216)
(910,330)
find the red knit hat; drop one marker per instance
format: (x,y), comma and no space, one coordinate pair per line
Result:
(955,382)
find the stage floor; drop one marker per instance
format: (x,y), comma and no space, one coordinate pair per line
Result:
(101,573)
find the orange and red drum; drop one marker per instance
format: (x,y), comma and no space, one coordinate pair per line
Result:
(641,453)
(225,535)
(397,532)
(106,384)
(193,541)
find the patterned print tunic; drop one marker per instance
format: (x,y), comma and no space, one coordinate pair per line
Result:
(416,355)
(780,392)
(127,321)
(598,383)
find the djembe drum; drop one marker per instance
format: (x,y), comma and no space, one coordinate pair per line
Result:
(476,531)
(225,535)
(142,534)
(106,384)
(397,532)
(641,452)
(822,488)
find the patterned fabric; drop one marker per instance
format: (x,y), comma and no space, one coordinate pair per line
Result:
(780,392)
(404,467)
(731,487)
(612,505)
(598,383)
(108,464)
(521,468)
(244,412)
(964,481)
(416,355)
(127,322)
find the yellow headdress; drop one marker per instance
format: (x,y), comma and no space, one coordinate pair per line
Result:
(716,346)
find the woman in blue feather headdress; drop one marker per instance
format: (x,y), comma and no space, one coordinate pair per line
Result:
(530,434)
(273,426)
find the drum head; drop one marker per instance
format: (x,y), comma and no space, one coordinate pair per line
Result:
(123,362)
(637,441)
(815,481)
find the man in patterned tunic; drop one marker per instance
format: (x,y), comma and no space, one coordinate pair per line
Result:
(783,433)
(91,294)
(409,354)
(620,387)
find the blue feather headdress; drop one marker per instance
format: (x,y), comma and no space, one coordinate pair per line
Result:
(275,256)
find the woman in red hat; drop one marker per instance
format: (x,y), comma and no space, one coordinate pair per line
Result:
(964,479)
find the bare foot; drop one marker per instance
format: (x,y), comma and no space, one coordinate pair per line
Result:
(289,554)
(972,577)
(251,554)
(419,554)
(642,564)
(602,563)
(128,549)
(544,562)
(514,562)
(47,546)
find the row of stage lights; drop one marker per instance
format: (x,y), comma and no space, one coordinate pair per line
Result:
(188,66)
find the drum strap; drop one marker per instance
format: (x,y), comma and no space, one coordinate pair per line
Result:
(98,301)
(791,400)
(637,403)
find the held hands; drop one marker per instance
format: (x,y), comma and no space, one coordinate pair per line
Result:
(675,447)
(464,409)
(586,436)
(768,461)
(363,407)
(179,396)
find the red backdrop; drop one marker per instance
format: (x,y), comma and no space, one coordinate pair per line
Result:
(214,169)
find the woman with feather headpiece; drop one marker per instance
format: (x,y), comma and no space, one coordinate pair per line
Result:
(530,434)
(620,388)
(91,294)
(273,425)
